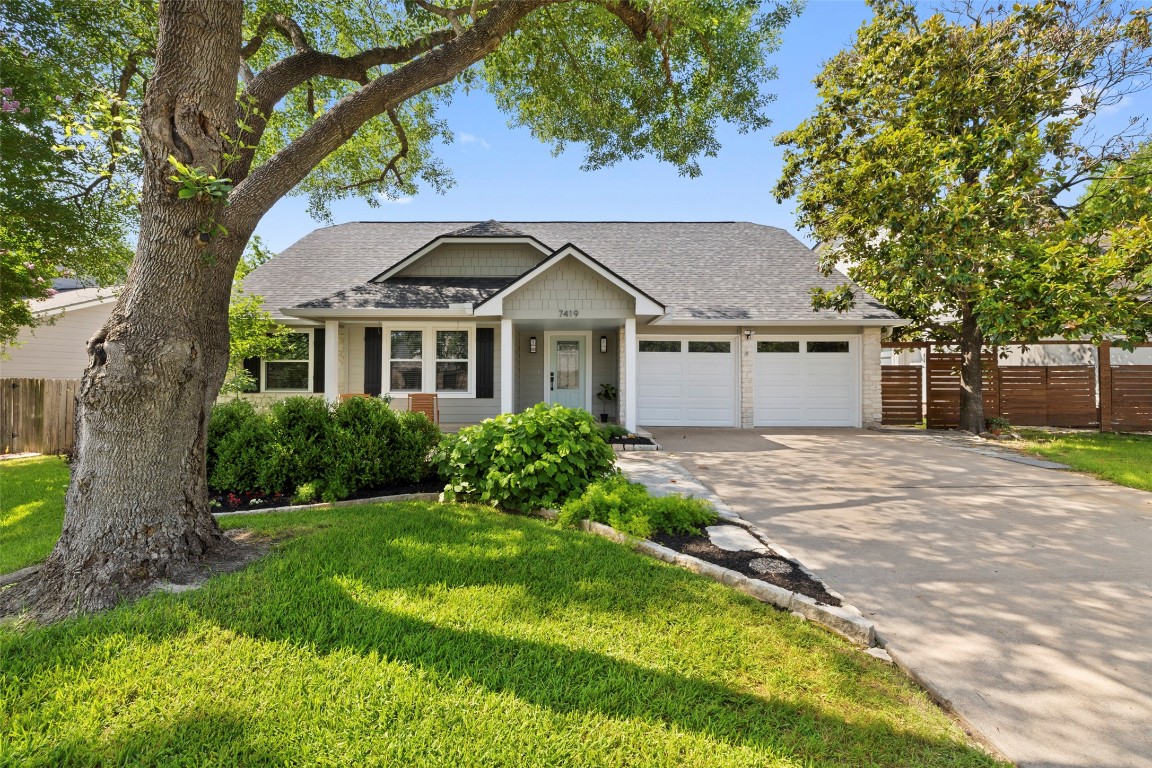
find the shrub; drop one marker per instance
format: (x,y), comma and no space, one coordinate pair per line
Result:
(613,430)
(538,458)
(628,508)
(305,446)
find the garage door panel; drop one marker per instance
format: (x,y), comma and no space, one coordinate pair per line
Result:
(805,387)
(687,388)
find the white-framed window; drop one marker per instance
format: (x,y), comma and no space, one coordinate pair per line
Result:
(291,369)
(452,360)
(432,358)
(405,360)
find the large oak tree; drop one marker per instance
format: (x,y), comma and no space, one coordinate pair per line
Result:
(945,164)
(245,102)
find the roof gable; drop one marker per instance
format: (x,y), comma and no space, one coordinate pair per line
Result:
(486,233)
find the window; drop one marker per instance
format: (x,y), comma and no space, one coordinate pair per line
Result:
(777,346)
(827,346)
(405,366)
(451,361)
(289,370)
(648,345)
(710,346)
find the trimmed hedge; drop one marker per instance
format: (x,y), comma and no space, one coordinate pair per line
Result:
(523,461)
(303,441)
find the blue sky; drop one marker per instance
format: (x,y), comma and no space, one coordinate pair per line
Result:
(503,173)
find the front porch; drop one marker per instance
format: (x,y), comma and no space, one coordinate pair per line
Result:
(482,368)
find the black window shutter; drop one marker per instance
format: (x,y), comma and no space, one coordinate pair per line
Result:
(373,343)
(252,366)
(485,364)
(318,360)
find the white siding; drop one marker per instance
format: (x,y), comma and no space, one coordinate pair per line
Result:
(57,351)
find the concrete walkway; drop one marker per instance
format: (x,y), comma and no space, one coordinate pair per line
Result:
(1023,595)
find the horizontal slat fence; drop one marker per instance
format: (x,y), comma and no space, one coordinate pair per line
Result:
(944,389)
(902,394)
(1132,398)
(37,415)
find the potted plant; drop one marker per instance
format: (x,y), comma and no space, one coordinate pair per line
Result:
(607,394)
(997,425)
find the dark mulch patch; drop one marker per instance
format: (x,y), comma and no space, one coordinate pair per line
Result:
(234,502)
(768,567)
(635,440)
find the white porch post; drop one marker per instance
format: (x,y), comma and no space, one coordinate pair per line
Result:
(629,374)
(332,360)
(507,357)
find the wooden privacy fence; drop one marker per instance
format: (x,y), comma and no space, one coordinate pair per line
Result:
(37,415)
(1111,397)
(902,394)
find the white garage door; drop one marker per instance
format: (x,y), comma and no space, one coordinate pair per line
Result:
(807,382)
(686,382)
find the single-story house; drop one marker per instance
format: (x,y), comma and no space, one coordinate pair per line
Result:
(693,323)
(58,347)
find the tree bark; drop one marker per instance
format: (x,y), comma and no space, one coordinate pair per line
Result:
(971,372)
(137,506)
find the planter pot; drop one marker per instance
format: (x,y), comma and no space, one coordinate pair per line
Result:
(604,418)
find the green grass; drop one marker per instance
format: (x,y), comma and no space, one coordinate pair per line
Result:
(1120,458)
(440,635)
(31,509)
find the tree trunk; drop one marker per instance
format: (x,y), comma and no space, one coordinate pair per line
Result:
(137,506)
(971,373)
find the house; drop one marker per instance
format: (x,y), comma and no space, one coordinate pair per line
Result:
(695,323)
(58,347)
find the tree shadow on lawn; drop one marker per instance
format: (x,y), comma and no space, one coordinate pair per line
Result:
(331,592)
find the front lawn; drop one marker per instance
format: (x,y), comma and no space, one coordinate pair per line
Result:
(443,635)
(31,509)
(1120,458)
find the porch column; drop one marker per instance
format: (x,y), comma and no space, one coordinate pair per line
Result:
(507,357)
(332,360)
(630,374)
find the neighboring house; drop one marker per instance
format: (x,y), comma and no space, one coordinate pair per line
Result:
(695,323)
(58,347)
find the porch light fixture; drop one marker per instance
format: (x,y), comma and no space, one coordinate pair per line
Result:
(532,344)
(603,343)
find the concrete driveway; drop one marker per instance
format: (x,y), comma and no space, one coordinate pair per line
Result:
(1023,595)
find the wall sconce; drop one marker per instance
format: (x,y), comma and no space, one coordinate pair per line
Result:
(748,334)
(603,343)
(532,344)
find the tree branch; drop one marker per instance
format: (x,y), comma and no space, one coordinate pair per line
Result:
(253,196)
(402,153)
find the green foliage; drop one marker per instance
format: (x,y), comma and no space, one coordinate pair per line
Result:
(524,461)
(613,430)
(607,393)
(360,444)
(251,330)
(307,493)
(628,508)
(70,166)
(198,184)
(998,423)
(940,162)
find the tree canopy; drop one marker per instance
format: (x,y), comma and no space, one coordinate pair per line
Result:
(946,159)
(944,165)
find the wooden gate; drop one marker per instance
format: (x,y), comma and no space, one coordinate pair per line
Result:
(37,415)
(902,394)
(1048,396)
(1131,402)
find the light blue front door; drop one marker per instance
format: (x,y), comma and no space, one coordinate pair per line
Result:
(568,380)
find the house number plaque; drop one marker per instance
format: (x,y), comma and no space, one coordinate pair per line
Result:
(569,313)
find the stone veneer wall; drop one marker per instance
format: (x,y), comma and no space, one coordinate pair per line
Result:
(747,378)
(870,397)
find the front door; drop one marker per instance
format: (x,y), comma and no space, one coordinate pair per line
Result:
(568,381)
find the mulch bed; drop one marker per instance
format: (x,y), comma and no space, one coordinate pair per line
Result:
(765,566)
(635,440)
(235,502)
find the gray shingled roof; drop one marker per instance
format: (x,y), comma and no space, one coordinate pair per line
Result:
(490,228)
(735,271)
(412,293)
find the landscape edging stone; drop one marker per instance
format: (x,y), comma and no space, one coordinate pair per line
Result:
(334,504)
